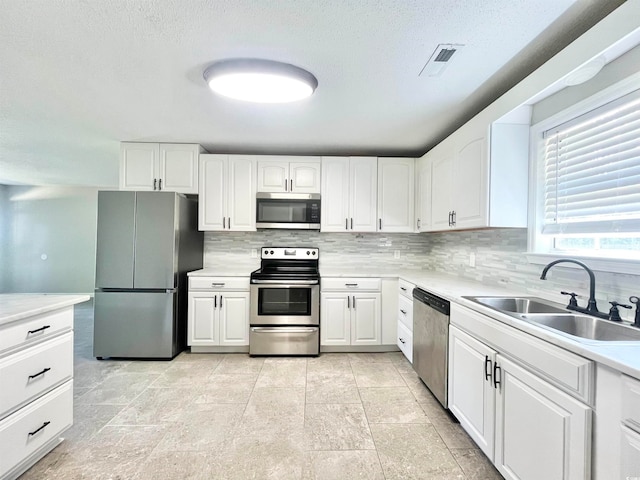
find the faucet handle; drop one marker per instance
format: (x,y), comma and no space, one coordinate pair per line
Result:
(614,313)
(573,302)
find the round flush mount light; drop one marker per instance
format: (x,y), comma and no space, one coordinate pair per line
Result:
(585,72)
(261,81)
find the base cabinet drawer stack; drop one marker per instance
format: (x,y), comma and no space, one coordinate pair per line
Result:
(523,401)
(218,313)
(36,360)
(405,318)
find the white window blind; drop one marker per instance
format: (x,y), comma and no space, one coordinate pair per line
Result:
(592,171)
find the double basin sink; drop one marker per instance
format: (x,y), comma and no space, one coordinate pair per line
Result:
(547,314)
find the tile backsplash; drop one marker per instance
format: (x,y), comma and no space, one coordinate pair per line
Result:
(499,258)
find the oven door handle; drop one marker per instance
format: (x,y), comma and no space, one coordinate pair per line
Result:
(284,283)
(284,329)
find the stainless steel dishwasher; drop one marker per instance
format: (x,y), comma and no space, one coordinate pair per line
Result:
(431,342)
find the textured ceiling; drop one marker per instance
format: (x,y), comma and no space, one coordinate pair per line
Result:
(77,77)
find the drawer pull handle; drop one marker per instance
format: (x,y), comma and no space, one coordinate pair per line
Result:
(403,312)
(496,378)
(403,289)
(31,377)
(37,430)
(401,339)
(218,284)
(487,367)
(350,284)
(41,329)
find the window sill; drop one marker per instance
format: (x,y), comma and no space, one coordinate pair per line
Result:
(599,264)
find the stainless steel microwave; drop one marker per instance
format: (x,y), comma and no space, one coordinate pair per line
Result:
(297,211)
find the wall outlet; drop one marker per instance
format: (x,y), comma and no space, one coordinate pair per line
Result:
(396,254)
(472,259)
(254,253)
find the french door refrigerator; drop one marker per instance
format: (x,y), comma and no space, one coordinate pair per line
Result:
(146,244)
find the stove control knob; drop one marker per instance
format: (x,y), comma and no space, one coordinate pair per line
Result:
(266,252)
(271,252)
(308,252)
(314,253)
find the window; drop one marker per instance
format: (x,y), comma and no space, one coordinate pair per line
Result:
(588,183)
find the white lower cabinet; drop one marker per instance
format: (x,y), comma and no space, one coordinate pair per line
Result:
(404,338)
(350,319)
(36,388)
(541,432)
(528,427)
(630,453)
(349,315)
(218,317)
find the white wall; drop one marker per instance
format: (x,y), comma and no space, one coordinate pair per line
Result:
(50,239)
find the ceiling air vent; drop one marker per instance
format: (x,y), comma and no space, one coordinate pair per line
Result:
(440,58)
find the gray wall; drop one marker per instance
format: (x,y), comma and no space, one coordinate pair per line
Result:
(49,239)
(4,233)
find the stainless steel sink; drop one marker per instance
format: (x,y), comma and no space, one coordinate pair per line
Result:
(553,316)
(585,326)
(518,304)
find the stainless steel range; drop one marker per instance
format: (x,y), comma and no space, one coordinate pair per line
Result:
(285,303)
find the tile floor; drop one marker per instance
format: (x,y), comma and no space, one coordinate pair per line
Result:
(210,416)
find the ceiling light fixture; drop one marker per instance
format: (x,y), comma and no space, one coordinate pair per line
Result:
(261,81)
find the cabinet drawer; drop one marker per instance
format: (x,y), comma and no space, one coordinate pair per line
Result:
(16,335)
(34,371)
(32,427)
(406,288)
(405,312)
(570,372)
(219,283)
(631,402)
(405,341)
(374,284)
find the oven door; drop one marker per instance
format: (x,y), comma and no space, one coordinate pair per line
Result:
(280,304)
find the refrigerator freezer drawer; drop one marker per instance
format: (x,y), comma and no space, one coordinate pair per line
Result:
(284,341)
(137,325)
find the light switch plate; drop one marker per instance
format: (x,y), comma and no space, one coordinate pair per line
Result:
(396,254)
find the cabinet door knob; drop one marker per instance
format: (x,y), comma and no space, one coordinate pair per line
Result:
(403,312)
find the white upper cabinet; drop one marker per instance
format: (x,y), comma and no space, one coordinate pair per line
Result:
(349,192)
(395,194)
(227,193)
(479,178)
(159,166)
(289,174)
(423,194)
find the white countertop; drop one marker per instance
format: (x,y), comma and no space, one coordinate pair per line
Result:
(241,270)
(17,306)
(622,356)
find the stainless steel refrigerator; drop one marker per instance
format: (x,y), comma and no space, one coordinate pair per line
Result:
(146,244)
